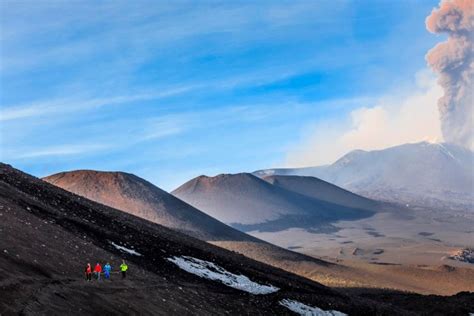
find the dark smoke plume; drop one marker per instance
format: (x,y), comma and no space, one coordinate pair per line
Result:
(453,60)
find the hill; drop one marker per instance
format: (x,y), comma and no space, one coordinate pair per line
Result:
(322,190)
(139,197)
(249,203)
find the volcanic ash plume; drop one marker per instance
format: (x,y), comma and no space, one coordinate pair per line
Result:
(453,60)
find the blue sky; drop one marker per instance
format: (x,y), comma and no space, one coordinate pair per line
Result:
(172,90)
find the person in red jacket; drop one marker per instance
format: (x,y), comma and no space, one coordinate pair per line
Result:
(88,272)
(98,270)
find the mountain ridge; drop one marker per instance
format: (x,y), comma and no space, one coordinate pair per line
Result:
(245,201)
(420,174)
(139,197)
(322,190)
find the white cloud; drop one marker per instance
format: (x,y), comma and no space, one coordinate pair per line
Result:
(164,126)
(61,150)
(391,121)
(164,25)
(67,105)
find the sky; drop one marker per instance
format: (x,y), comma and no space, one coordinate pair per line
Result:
(170,90)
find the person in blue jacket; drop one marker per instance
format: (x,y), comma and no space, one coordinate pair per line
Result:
(107,269)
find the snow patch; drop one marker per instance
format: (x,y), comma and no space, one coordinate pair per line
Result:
(447,152)
(124,249)
(209,270)
(264,173)
(306,310)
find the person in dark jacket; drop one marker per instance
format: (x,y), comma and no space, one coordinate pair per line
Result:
(88,272)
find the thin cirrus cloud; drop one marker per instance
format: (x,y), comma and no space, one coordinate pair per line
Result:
(64,105)
(61,150)
(112,138)
(67,105)
(163,26)
(137,131)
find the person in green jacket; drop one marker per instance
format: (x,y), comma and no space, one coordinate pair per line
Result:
(123,268)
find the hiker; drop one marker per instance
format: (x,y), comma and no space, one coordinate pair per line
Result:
(88,272)
(107,269)
(123,268)
(98,270)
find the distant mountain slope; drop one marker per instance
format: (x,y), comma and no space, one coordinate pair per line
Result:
(322,190)
(249,203)
(424,174)
(49,234)
(139,197)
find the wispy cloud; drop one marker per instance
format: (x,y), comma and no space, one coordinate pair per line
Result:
(164,25)
(164,126)
(67,105)
(60,150)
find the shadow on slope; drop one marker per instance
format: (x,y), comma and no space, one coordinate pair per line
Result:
(250,203)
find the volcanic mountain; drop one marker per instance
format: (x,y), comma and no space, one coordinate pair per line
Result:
(139,197)
(435,175)
(246,202)
(49,234)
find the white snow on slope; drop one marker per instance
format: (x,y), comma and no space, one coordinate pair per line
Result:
(447,152)
(124,249)
(306,310)
(209,270)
